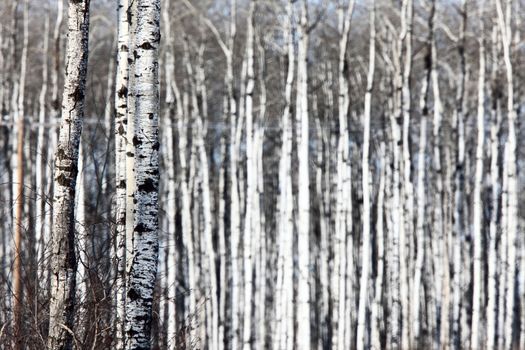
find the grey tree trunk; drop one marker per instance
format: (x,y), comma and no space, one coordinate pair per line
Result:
(64,264)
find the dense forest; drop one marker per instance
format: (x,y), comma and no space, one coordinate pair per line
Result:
(262,174)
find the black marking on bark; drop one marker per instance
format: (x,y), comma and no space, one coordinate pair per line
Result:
(61,153)
(122,184)
(123,91)
(77,95)
(148,186)
(133,295)
(151,115)
(146,46)
(141,228)
(121,130)
(129,154)
(63,180)
(136,141)
(156,146)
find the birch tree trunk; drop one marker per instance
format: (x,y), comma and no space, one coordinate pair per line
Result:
(303,198)
(250,229)
(64,264)
(495,188)
(477,317)
(343,223)
(405,241)
(366,253)
(143,268)
(420,191)
(40,160)
(375,317)
(283,312)
(459,181)
(504,24)
(121,110)
(171,195)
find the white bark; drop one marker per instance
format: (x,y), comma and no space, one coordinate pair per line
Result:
(477,317)
(121,110)
(343,219)
(283,311)
(64,263)
(375,317)
(211,304)
(366,252)
(493,278)
(41,155)
(143,268)
(303,197)
(504,24)
(405,241)
(171,195)
(250,225)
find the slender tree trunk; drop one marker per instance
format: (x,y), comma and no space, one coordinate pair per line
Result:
(343,205)
(375,317)
(303,198)
(366,253)
(19,200)
(143,268)
(250,229)
(121,110)
(477,317)
(493,278)
(64,264)
(459,181)
(283,312)
(169,163)
(41,154)
(504,23)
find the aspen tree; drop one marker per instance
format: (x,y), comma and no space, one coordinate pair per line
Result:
(64,264)
(397,247)
(343,197)
(477,317)
(211,294)
(121,106)
(366,253)
(504,24)
(420,190)
(234,189)
(54,117)
(440,247)
(283,311)
(261,250)
(323,228)
(41,153)
(171,194)
(459,181)
(250,229)
(406,238)
(82,241)
(187,229)
(143,268)
(375,316)
(303,197)
(492,289)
